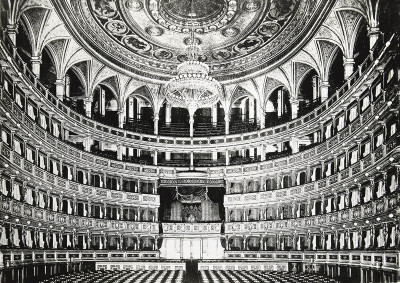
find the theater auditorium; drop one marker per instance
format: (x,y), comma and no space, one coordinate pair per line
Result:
(200,141)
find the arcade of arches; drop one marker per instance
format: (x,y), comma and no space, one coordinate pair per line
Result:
(295,168)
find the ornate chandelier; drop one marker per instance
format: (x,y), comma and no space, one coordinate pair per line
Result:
(193,88)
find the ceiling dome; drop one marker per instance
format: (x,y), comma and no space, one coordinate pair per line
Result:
(236,38)
(187,11)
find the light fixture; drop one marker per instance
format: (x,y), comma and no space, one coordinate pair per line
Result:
(193,88)
(391,215)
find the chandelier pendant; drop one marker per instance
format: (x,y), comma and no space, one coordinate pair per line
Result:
(193,88)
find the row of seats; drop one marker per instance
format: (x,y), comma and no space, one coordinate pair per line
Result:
(214,276)
(238,126)
(120,276)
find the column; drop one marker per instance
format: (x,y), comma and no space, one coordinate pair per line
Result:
(315,86)
(226,124)
(60,89)
(191,161)
(347,198)
(89,209)
(36,61)
(167,155)
(243,109)
(87,143)
(168,108)
(191,123)
(156,118)
(74,206)
(251,109)
(214,155)
(294,144)
(348,64)
(251,152)
(214,114)
(279,146)
(262,152)
(131,108)
(12,32)
(373,34)
(260,116)
(324,90)
(335,202)
(226,157)
(155,157)
(120,151)
(67,86)
(280,103)
(295,107)
(102,100)
(308,207)
(121,118)
(322,204)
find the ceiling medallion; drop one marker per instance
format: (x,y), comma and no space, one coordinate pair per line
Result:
(116,27)
(179,15)
(193,88)
(189,40)
(105,10)
(134,5)
(136,43)
(222,55)
(154,31)
(268,28)
(163,54)
(251,5)
(230,32)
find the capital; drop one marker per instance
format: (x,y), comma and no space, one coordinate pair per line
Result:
(36,59)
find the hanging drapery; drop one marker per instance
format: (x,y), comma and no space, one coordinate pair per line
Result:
(54,241)
(41,239)
(55,205)
(16,191)
(28,239)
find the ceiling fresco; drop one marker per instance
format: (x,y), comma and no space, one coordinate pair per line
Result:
(151,37)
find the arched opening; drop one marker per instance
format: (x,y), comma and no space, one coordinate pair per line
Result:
(23,44)
(389,18)
(243,113)
(173,121)
(105,106)
(286,181)
(48,74)
(253,243)
(277,108)
(209,121)
(75,91)
(139,113)
(308,93)
(336,72)
(361,47)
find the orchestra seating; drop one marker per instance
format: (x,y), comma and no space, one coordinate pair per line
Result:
(120,276)
(207,276)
